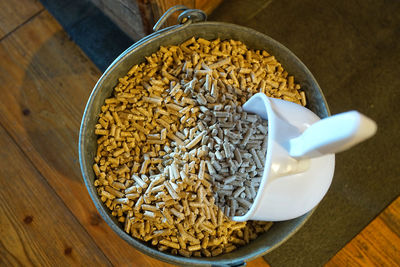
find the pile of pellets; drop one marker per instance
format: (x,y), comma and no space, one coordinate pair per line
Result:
(237,151)
(177,155)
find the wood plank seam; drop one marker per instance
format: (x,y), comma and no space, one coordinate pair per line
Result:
(22,24)
(376,245)
(52,189)
(363,228)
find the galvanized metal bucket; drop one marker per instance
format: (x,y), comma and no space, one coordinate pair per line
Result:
(192,23)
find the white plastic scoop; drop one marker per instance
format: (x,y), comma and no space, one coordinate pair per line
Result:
(300,156)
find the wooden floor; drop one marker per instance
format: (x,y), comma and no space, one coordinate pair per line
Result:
(47,217)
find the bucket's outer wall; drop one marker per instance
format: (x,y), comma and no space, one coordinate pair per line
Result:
(280,231)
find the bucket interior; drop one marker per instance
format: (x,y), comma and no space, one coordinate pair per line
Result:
(280,231)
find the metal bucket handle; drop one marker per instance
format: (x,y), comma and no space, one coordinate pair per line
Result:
(187,16)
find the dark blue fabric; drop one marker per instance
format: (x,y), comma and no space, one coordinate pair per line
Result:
(89,28)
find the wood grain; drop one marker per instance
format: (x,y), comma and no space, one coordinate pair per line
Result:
(159,7)
(15,12)
(378,244)
(45,82)
(152,10)
(259,262)
(207,6)
(36,228)
(126,14)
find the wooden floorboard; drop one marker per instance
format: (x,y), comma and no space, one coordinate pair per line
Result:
(13,13)
(46,80)
(378,244)
(259,262)
(36,228)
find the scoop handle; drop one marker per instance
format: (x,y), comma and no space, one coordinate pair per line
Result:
(332,135)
